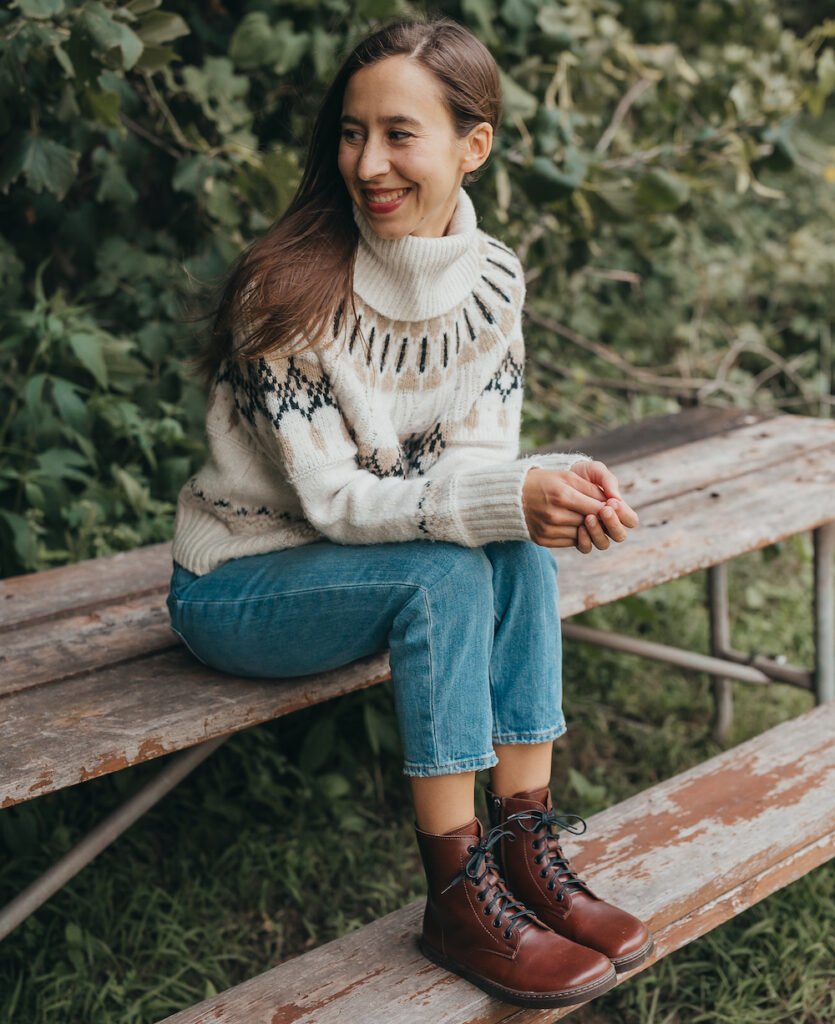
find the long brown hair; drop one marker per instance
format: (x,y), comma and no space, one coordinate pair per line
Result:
(297,279)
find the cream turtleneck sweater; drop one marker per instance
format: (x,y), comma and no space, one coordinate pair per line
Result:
(412,434)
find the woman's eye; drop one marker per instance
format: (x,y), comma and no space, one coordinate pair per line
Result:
(348,132)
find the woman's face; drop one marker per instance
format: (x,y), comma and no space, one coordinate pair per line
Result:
(396,133)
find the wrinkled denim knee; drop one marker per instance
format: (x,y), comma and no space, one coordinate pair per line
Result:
(473,634)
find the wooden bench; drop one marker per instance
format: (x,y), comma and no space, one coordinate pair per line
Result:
(92,680)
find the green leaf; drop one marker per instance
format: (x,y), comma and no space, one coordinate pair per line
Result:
(114,185)
(24,539)
(155,58)
(161,27)
(44,163)
(219,91)
(101,104)
(88,351)
(661,191)
(517,100)
(40,8)
(116,42)
(544,181)
(69,405)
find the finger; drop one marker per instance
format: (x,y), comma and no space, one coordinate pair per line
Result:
(575,498)
(612,524)
(588,487)
(627,515)
(603,476)
(596,532)
(583,544)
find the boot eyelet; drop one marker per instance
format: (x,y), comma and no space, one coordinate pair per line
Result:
(537,859)
(486,910)
(506,934)
(543,873)
(535,844)
(481,896)
(470,849)
(560,897)
(550,887)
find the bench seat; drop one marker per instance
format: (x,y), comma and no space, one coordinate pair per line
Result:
(91,669)
(685,855)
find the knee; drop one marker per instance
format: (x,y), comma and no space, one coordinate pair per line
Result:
(523,559)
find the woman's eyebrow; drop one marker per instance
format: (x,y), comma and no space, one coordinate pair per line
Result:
(390,119)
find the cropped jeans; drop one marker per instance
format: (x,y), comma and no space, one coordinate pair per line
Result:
(473,634)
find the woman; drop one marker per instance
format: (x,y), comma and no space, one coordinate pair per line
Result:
(364,492)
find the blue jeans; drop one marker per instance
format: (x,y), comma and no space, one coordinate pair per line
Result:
(473,634)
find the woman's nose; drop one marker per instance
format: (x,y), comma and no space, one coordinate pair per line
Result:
(373,160)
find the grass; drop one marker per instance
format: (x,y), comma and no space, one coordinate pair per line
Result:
(301,830)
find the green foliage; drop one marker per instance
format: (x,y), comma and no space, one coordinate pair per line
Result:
(657,169)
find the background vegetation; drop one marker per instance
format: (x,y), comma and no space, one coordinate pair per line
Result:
(665,170)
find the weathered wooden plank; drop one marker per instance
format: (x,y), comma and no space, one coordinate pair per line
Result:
(745,452)
(692,531)
(37,596)
(657,433)
(685,855)
(78,729)
(55,649)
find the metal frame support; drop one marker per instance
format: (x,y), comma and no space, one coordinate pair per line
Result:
(720,641)
(724,662)
(36,894)
(824,612)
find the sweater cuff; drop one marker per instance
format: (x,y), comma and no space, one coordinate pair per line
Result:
(488,503)
(557,460)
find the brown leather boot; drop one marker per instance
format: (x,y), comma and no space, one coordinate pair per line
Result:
(473,926)
(536,868)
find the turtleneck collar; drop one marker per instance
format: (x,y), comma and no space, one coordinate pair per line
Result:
(415,278)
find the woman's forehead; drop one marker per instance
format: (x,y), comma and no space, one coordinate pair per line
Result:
(394,87)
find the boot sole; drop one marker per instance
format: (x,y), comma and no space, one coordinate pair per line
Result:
(626,963)
(564,997)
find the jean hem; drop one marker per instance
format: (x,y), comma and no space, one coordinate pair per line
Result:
(533,737)
(470,764)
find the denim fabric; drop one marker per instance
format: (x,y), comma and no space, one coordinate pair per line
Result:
(473,634)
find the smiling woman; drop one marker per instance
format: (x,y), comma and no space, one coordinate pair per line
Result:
(365,493)
(414,174)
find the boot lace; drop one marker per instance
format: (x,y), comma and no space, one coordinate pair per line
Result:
(480,864)
(556,863)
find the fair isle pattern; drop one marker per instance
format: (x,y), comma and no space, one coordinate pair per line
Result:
(392,429)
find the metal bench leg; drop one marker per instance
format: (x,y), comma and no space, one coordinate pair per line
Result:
(824,610)
(720,641)
(28,901)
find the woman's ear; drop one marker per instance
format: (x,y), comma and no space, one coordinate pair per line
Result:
(479,142)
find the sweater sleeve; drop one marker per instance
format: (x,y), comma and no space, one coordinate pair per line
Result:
(483,448)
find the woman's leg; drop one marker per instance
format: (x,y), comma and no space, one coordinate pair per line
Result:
(316,607)
(526,666)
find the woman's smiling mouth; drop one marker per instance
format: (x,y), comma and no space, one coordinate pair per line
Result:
(385,202)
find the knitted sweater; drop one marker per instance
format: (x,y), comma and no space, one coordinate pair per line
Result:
(414,436)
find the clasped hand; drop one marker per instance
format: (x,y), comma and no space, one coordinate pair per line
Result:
(580,507)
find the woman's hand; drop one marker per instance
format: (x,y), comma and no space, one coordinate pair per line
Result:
(581,507)
(614,517)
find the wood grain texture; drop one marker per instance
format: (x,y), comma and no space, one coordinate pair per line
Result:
(78,729)
(657,433)
(92,583)
(685,856)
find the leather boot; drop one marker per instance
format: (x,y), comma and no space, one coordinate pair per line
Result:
(473,926)
(535,867)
